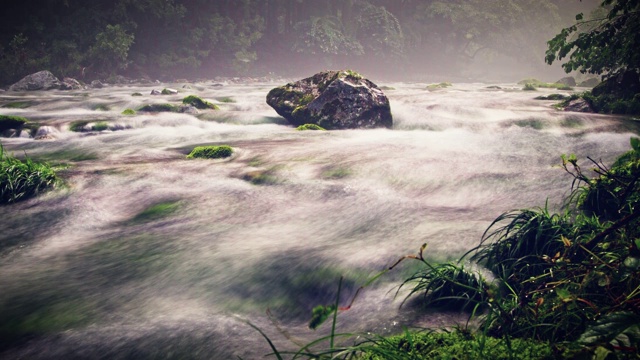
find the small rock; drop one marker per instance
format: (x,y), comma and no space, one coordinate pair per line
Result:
(96,84)
(188,109)
(156,92)
(579,105)
(70,84)
(168,91)
(46,133)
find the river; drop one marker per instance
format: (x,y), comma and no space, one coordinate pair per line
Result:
(145,254)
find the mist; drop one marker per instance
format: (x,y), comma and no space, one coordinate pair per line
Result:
(385,40)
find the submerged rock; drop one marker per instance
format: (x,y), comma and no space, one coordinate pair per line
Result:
(42,80)
(96,84)
(579,105)
(70,84)
(332,100)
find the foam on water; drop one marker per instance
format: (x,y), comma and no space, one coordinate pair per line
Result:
(146,250)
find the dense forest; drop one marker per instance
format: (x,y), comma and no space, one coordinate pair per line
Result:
(170,39)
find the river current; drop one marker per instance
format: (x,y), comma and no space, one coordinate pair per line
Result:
(142,253)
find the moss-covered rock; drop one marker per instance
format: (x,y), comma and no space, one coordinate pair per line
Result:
(555,97)
(8,122)
(442,85)
(211,152)
(332,100)
(198,103)
(159,108)
(128,112)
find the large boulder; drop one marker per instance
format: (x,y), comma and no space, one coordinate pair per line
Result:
(42,80)
(332,100)
(568,81)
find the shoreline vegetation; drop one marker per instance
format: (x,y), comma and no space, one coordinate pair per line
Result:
(565,285)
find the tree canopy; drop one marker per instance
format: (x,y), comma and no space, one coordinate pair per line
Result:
(200,38)
(605,43)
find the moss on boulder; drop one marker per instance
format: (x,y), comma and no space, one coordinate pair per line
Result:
(332,100)
(199,103)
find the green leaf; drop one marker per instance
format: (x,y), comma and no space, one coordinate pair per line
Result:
(620,328)
(632,263)
(579,17)
(564,295)
(635,144)
(320,314)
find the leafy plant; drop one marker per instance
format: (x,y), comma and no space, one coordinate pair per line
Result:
(21,179)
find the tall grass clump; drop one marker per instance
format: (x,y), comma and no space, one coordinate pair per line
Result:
(21,179)
(573,276)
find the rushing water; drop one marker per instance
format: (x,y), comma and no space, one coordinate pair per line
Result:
(145,254)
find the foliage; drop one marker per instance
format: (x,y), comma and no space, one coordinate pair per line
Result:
(309,127)
(325,35)
(111,49)
(211,152)
(602,45)
(21,179)
(198,103)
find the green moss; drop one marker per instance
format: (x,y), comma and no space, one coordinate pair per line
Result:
(531,123)
(262,177)
(353,74)
(11,122)
(225,99)
(211,152)
(541,84)
(336,173)
(78,126)
(552,97)
(17,105)
(198,103)
(309,127)
(158,108)
(306,99)
(156,211)
(100,126)
(128,112)
(442,85)
(136,94)
(166,91)
(385,88)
